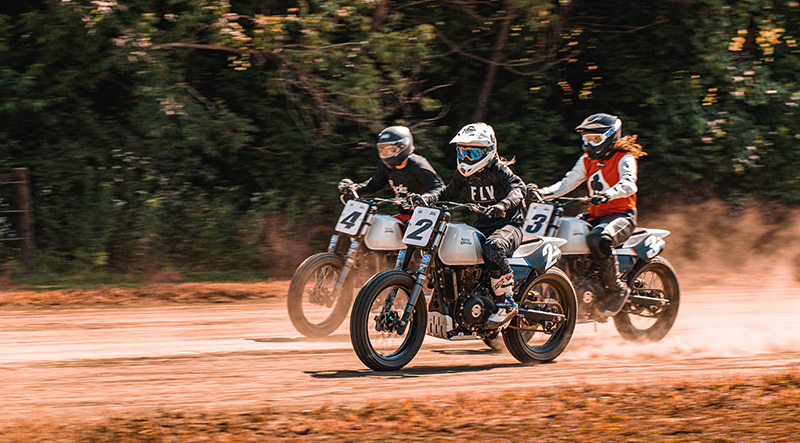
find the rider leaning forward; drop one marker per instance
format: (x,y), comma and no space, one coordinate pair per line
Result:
(608,166)
(399,167)
(490,182)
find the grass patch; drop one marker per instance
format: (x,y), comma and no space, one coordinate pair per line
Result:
(761,409)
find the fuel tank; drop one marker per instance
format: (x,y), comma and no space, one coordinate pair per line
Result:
(574,231)
(385,234)
(462,245)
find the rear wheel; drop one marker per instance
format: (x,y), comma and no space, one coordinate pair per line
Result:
(374,322)
(641,320)
(314,308)
(542,341)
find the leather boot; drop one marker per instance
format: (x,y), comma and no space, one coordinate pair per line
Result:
(617,292)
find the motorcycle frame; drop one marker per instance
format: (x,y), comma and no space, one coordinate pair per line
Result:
(430,264)
(627,262)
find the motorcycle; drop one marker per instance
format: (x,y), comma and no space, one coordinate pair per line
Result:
(322,287)
(391,316)
(652,307)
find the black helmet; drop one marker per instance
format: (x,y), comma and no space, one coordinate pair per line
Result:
(599,134)
(395,144)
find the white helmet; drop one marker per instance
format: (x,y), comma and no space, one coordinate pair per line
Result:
(475,148)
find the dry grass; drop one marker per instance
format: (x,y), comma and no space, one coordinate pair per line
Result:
(146,295)
(757,410)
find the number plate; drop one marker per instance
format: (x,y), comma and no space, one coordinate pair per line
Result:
(537,219)
(352,216)
(420,227)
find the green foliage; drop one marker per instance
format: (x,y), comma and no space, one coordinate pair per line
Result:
(163,133)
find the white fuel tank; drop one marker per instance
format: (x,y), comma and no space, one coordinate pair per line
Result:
(574,231)
(385,234)
(462,245)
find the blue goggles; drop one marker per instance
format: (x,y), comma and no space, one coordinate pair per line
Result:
(469,153)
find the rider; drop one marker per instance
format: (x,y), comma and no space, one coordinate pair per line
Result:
(490,182)
(608,165)
(398,167)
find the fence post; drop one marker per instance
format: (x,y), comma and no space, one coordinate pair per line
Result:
(22,201)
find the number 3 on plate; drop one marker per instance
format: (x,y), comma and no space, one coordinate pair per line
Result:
(536,220)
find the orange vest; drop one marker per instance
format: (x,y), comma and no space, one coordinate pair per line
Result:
(602,175)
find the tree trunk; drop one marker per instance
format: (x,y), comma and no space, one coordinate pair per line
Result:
(498,52)
(379,14)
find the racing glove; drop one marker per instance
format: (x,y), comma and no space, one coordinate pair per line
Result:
(497,210)
(416,200)
(533,192)
(599,199)
(345,186)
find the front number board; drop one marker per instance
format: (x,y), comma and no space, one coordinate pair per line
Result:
(537,219)
(420,227)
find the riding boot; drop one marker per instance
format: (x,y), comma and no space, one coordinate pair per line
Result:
(506,310)
(617,292)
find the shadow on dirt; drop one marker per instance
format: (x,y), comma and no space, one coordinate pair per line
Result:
(412,372)
(329,338)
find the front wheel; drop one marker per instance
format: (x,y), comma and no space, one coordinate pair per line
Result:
(644,321)
(542,341)
(315,309)
(374,322)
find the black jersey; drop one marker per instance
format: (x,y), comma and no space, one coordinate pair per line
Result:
(486,187)
(417,177)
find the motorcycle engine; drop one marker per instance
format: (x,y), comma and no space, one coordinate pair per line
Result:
(589,292)
(474,309)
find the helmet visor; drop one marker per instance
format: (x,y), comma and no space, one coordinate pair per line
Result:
(469,154)
(596,139)
(390,149)
(593,139)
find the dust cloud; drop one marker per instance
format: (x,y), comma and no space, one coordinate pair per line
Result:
(740,287)
(714,243)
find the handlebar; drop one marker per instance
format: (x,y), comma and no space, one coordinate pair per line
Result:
(377,201)
(449,206)
(568,200)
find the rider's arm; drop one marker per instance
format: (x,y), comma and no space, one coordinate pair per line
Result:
(571,180)
(514,185)
(626,186)
(450,192)
(377,182)
(429,177)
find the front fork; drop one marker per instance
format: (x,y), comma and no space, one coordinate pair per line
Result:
(422,277)
(349,261)
(388,320)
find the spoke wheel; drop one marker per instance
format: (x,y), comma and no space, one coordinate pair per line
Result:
(314,309)
(542,341)
(375,319)
(650,321)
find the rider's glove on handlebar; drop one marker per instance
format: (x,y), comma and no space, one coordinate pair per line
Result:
(532,191)
(599,199)
(416,200)
(345,186)
(497,210)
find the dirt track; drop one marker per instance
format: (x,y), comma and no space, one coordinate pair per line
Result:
(238,357)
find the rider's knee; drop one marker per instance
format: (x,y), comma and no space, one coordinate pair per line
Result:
(600,243)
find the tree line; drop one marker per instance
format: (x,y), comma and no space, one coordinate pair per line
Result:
(165,132)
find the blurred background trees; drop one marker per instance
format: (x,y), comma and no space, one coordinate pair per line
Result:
(202,134)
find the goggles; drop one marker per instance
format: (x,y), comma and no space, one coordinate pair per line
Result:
(469,153)
(388,150)
(595,139)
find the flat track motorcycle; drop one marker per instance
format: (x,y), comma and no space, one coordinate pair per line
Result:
(391,316)
(363,243)
(653,304)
